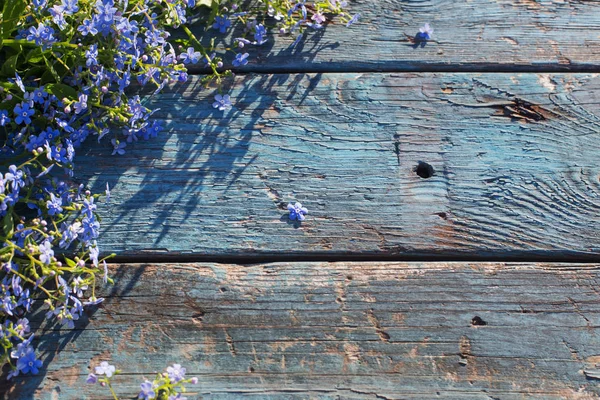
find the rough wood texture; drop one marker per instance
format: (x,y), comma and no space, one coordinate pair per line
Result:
(339,331)
(490,35)
(515,160)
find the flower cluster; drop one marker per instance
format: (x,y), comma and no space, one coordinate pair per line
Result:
(69,74)
(169,385)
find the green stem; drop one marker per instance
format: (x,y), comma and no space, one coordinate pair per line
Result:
(32,44)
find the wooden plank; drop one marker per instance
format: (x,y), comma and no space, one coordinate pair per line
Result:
(338,330)
(484,35)
(515,161)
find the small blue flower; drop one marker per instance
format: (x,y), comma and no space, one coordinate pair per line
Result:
(240,59)
(353,20)
(29,363)
(297,212)
(91,379)
(118,147)
(259,34)
(105,369)
(46,252)
(40,95)
(221,23)
(91,54)
(147,392)
(23,112)
(87,27)
(4,119)
(81,104)
(426,32)
(176,372)
(54,205)
(222,102)
(19,83)
(190,56)
(15,176)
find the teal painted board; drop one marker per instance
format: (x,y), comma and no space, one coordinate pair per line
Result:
(491,35)
(337,330)
(513,158)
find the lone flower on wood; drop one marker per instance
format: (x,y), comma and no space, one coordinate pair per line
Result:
(105,369)
(222,102)
(426,32)
(297,212)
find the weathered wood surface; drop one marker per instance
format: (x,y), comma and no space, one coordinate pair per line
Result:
(490,35)
(338,331)
(515,159)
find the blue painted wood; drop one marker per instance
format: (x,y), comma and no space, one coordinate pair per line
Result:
(491,35)
(514,159)
(337,330)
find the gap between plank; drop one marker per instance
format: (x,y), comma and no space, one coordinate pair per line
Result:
(247,259)
(489,69)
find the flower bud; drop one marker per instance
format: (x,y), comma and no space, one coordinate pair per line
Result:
(144,58)
(104,89)
(241,45)
(220,64)
(9,96)
(67,109)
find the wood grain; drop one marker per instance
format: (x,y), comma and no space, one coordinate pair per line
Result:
(337,331)
(483,35)
(515,160)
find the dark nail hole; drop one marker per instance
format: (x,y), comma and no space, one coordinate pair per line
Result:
(349,277)
(477,321)
(251,369)
(424,170)
(442,215)
(223,290)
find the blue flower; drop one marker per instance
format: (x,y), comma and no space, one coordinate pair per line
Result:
(54,205)
(89,208)
(297,212)
(15,176)
(190,56)
(69,233)
(87,27)
(39,95)
(90,228)
(4,119)
(222,102)
(23,112)
(105,369)
(259,34)
(240,59)
(147,392)
(176,373)
(92,55)
(70,6)
(19,82)
(46,252)
(118,147)
(353,20)
(81,104)
(29,363)
(221,23)
(426,32)
(91,379)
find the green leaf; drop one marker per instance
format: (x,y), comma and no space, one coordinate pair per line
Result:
(35,56)
(12,11)
(70,262)
(207,3)
(10,66)
(60,90)
(8,225)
